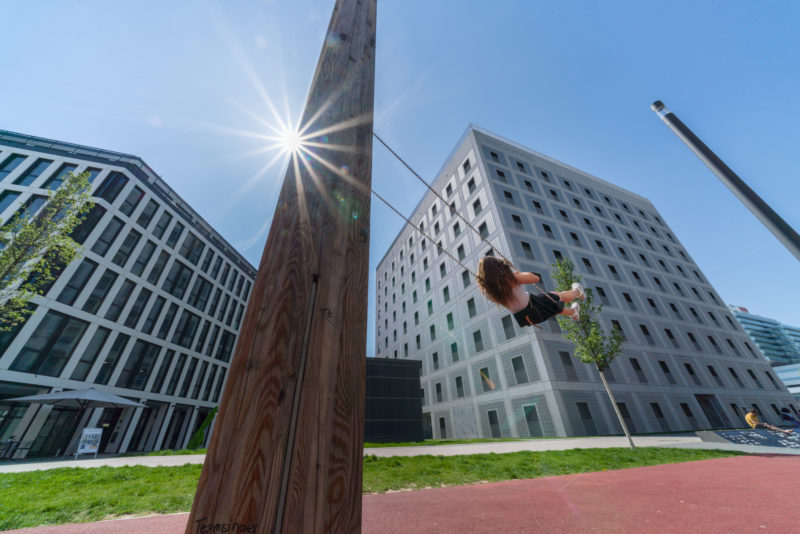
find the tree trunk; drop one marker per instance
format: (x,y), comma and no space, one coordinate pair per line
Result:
(616,408)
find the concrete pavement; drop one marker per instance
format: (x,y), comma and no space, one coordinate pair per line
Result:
(682,441)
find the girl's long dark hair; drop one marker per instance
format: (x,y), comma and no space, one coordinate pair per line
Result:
(496,279)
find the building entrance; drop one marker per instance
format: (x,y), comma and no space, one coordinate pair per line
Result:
(711,408)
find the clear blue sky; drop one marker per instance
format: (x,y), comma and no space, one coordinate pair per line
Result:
(178,82)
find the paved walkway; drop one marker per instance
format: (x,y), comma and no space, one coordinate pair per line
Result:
(683,441)
(743,494)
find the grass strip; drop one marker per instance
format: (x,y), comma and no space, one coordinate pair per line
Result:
(76,495)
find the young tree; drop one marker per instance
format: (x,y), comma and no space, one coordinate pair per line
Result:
(592,344)
(36,246)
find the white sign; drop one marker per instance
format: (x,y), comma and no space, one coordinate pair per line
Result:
(90,441)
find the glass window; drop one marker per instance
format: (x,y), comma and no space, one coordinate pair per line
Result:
(201,339)
(77,282)
(177,230)
(199,382)
(120,300)
(147,214)
(89,223)
(158,268)
(198,297)
(126,249)
(107,369)
(144,257)
(166,323)
(33,172)
(186,329)
(162,371)
(11,163)
(177,280)
(138,307)
(213,341)
(98,294)
(152,317)
(192,248)
(176,374)
(90,355)
(218,388)
(58,177)
(210,382)
(133,199)
(207,260)
(7,198)
(187,379)
(225,346)
(161,227)
(111,187)
(108,236)
(50,346)
(140,362)
(217,265)
(225,271)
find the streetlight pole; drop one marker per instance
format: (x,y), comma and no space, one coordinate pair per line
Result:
(774,223)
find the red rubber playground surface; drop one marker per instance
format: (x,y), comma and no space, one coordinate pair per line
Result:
(743,494)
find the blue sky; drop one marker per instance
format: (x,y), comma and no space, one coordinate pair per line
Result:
(182,84)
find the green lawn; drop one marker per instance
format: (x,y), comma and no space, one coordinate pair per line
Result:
(73,495)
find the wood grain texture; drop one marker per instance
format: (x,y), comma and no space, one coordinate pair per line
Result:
(300,357)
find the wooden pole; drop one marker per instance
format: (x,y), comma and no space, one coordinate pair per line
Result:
(286,452)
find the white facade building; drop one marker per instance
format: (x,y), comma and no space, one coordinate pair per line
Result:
(686,363)
(149,310)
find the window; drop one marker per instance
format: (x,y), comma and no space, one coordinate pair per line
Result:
(575,240)
(108,236)
(526,250)
(671,337)
(569,367)
(692,374)
(465,278)
(471,185)
(516,219)
(538,207)
(501,175)
(486,381)
(152,317)
(33,172)
(755,379)
(433,332)
(120,300)
(77,282)
(478,339)
(637,278)
(192,248)
(58,177)
(50,346)
(144,257)
(483,230)
(91,353)
(529,186)
(111,187)
(101,289)
(435,360)
(177,280)
(110,363)
(694,341)
(638,370)
(126,249)
(586,418)
(588,265)
(457,230)
(163,223)
(509,197)
(653,306)
(646,334)
(508,327)
(548,231)
(177,230)
(442,270)
(629,300)
(430,307)
(736,377)
(137,368)
(461,253)
(476,207)
(454,351)
(471,310)
(520,374)
(450,323)
(459,387)
(138,307)
(715,375)
(666,371)
(11,163)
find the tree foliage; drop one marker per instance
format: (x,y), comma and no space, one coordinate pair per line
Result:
(592,344)
(35,247)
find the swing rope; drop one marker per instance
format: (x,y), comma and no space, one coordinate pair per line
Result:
(452,210)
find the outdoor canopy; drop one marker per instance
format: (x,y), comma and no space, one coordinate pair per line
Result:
(80,398)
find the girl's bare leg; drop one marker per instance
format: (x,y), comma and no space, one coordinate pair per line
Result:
(567,296)
(568,311)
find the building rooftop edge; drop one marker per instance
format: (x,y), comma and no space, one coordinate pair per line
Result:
(121,158)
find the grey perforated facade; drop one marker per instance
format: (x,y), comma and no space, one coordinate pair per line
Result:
(149,310)
(686,363)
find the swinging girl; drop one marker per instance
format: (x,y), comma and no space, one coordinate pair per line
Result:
(502,285)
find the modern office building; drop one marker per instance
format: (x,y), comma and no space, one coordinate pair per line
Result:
(686,363)
(780,343)
(150,309)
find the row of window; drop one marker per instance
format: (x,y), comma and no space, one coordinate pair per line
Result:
(49,349)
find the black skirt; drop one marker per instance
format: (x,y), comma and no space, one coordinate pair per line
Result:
(539,309)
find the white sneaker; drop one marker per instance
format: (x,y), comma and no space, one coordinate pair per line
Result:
(577,315)
(579,287)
